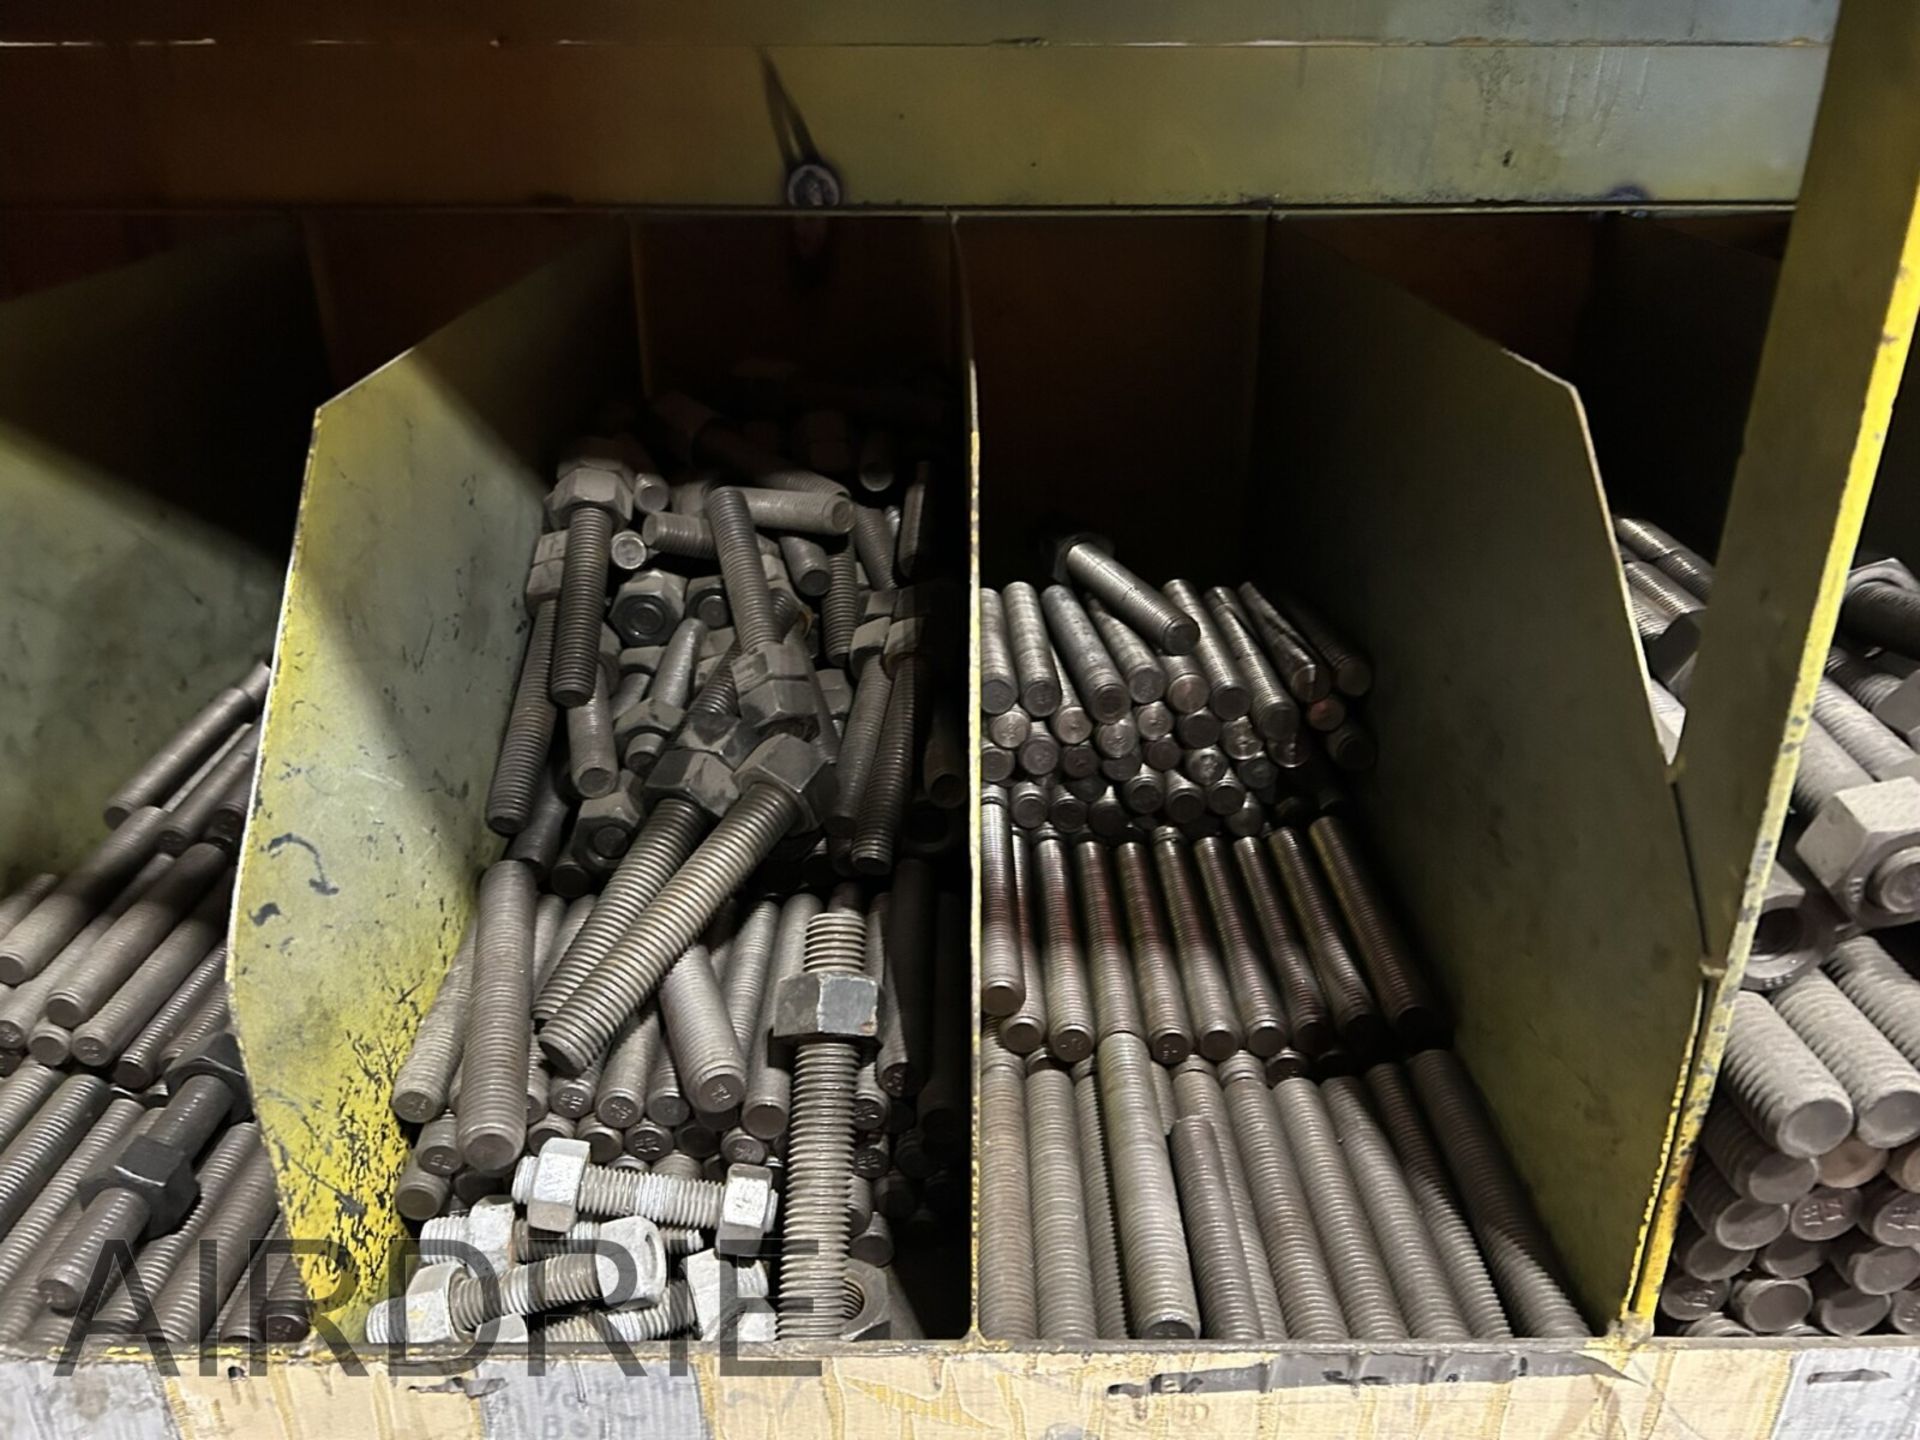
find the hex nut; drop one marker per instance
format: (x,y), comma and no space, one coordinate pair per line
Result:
(552,545)
(503,1330)
(747,1209)
(218,1056)
(776,689)
(159,1174)
(641,659)
(429,1305)
(879,605)
(1880,570)
(874,1319)
(554,1195)
(728,738)
(1671,654)
(699,779)
(490,1235)
(905,638)
(647,608)
(543,582)
(827,1005)
(650,716)
(792,765)
(585,481)
(1796,928)
(1852,834)
(707,598)
(869,643)
(606,823)
(1900,711)
(631,1261)
(713,1290)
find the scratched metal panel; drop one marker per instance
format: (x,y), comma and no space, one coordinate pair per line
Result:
(399,640)
(1859,1392)
(101,1402)
(590,1399)
(152,420)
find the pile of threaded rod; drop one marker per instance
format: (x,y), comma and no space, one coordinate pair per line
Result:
(1802,1211)
(856,518)
(116,970)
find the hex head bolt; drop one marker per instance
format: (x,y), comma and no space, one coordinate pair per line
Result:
(1216,1026)
(493,1072)
(889,780)
(590,502)
(1517,1250)
(701,1032)
(1063,1265)
(1196,1093)
(1393,974)
(1359,1273)
(1169,1030)
(1071,1030)
(1752,1167)
(1087,561)
(1726,1215)
(1306,1008)
(91,884)
(1883,1086)
(1862,841)
(1116,1008)
(239,1216)
(1362,1028)
(860,743)
(1153,1242)
(529,733)
(1792,1101)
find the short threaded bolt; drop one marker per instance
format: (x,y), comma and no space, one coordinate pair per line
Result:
(1884,1088)
(1792,1101)
(738,546)
(582,606)
(820,1142)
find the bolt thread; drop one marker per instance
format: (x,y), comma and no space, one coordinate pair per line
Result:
(1788,1096)
(173,924)
(672,829)
(1063,1278)
(1874,747)
(1667,598)
(529,733)
(999,689)
(873,543)
(493,1068)
(665,1199)
(1070,1034)
(705,1049)
(1392,973)
(860,745)
(26,1242)
(533,1289)
(840,609)
(591,760)
(1859,679)
(1213,1236)
(1257,1001)
(1131,598)
(1002,977)
(1825,770)
(673,534)
(1008,1306)
(819,1169)
(1869,977)
(425,1078)
(1153,1241)
(102,1038)
(1307,679)
(1103,1237)
(1352,1004)
(1425,1176)
(1228,694)
(168,767)
(633,968)
(30,1161)
(1301,997)
(59,917)
(582,606)
(1116,1009)
(1162,1002)
(1409,1250)
(764,1113)
(1517,1250)
(1217,1031)
(720,695)
(1197,1093)
(673,681)
(673,1314)
(738,547)
(1077,645)
(1026,1029)
(1034,668)
(1884,1088)
(240,1215)
(1139,667)
(1274,713)
(889,781)
(22,1094)
(1885,614)
(1750,1165)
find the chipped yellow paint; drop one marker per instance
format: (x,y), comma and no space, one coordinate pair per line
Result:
(304,1401)
(1836,351)
(400,636)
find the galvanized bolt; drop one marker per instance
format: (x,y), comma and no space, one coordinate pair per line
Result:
(1085,561)
(1791,1100)
(1884,1088)
(493,1100)
(1153,1241)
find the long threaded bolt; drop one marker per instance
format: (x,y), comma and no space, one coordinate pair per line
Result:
(592,762)
(1009,1308)
(1751,1166)
(1217,1029)
(582,606)
(22,1094)
(701,1033)
(1362,1028)
(1169,1029)
(186,910)
(59,917)
(1885,614)
(1219,1261)
(1026,1029)
(140,1063)
(999,689)
(1116,1008)
(1425,1175)
(27,1241)
(1274,713)
(1862,681)
(1658,548)
(1306,1008)
(1153,1242)
(1063,1275)
(1410,1251)
(169,766)
(1070,1033)
(1094,677)
(889,781)
(1163,626)
(1103,1237)
(766,1110)
(1002,978)
(1393,975)
(813,1260)
(1033,664)
(191,1300)
(1196,1092)
(1307,679)
(1882,991)
(1825,770)
(1517,1250)
(30,1161)
(1359,1272)
(1227,693)
(1791,1099)
(1884,1088)
(426,1075)
(1254,997)
(745,578)
(586,1022)
(529,733)
(1139,666)
(860,745)
(1859,732)
(493,1100)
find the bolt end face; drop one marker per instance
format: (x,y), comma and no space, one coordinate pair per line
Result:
(1180,635)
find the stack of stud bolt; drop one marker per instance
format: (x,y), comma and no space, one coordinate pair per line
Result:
(1214,1102)
(1803,1207)
(124,1115)
(1109,704)
(730,783)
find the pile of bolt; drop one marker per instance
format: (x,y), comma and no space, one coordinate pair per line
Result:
(126,1121)
(681,1032)
(1802,1211)
(1106,701)
(1210,1124)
